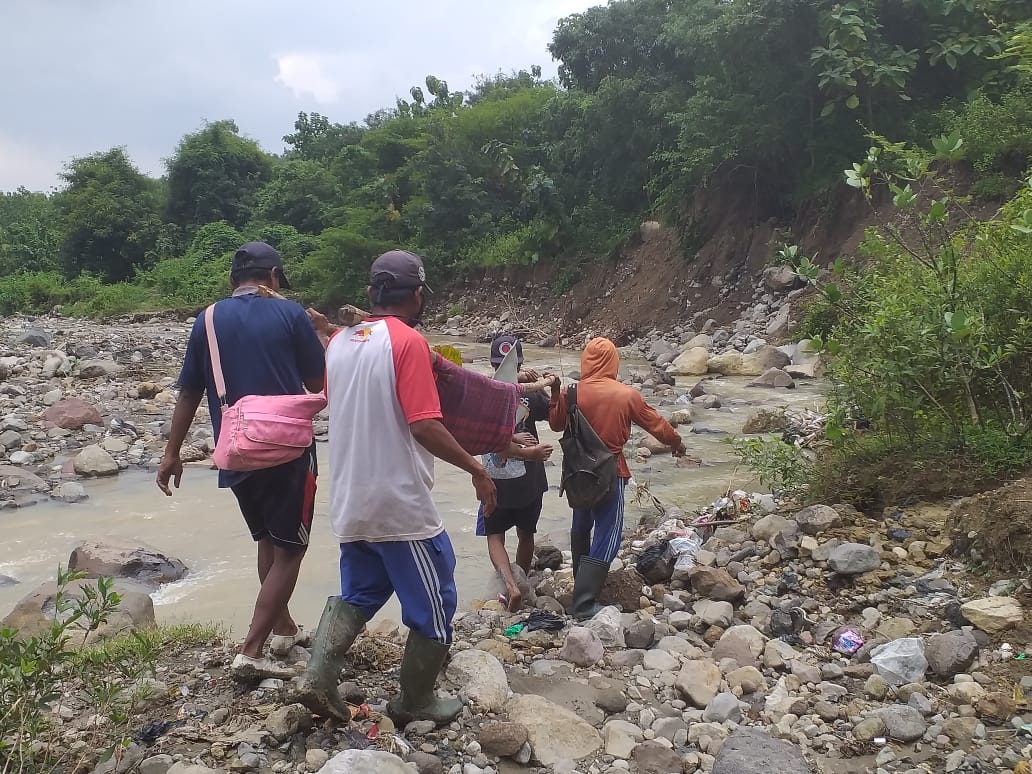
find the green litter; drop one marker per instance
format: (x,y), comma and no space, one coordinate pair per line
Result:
(514,630)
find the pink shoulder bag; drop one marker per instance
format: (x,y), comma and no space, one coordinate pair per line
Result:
(259,431)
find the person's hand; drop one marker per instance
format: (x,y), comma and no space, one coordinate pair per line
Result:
(554,382)
(486,491)
(537,453)
(170,469)
(679,449)
(527,376)
(514,599)
(319,322)
(525,439)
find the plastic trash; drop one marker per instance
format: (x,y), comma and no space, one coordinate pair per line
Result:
(500,467)
(901,661)
(542,620)
(656,563)
(685,548)
(847,642)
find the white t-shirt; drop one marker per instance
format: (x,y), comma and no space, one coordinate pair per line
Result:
(379,380)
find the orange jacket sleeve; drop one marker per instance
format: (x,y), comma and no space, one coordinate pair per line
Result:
(648,419)
(557,411)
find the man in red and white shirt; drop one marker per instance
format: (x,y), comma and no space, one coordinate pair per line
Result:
(385,430)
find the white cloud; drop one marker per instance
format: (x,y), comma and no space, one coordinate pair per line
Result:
(304,74)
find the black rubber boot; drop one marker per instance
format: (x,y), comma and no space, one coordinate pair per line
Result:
(340,624)
(419,669)
(580,544)
(587,585)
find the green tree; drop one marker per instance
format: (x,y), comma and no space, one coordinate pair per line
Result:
(214,175)
(300,194)
(315,138)
(30,239)
(110,214)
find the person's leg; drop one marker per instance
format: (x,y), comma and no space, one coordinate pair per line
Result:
(495,528)
(423,573)
(580,535)
(365,587)
(273,597)
(526,527)
(608,517)
(285,625)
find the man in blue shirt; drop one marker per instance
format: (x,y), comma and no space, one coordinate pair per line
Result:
(268,347)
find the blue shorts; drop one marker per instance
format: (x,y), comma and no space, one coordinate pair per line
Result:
(420,572)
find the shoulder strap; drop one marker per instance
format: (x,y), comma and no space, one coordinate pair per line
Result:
(571,398)
(213,352)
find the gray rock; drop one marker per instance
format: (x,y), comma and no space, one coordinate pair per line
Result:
(661,661)
(608,625)
(503,739)
(655,758)
(70,492)
(156,764)
(773,378)
(117,558)
(582,647)
(698,682)
(284,722)
(481,677)
(365,762)
(951,653)
(750,750)
(869,729)
(10,439)
(815,519)
(902,722)
(640,634)
(714,613)
(129,759)
(33,337)
(96,369)
(854,559)
(723,707)
(94,461)
(555,733)
(316,758)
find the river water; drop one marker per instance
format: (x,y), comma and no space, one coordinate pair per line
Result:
(202,526)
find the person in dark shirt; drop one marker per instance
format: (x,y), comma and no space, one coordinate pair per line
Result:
(519,499)
(267,347)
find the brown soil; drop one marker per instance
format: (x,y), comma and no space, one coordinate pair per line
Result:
(997,523)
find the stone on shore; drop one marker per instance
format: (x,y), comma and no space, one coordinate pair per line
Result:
(698,682)
(993,614)
(951,653)
(35,611)
(72,414)
(555,733)
(94,461)
(754,751)
(480,677)
(365,762)
(854,559)
(582,647)
(117,558)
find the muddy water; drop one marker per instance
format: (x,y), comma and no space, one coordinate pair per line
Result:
(201,524)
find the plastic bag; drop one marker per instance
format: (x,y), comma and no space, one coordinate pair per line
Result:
(847,642)
(685,548)
(500,467)
(656,563)
(901,661)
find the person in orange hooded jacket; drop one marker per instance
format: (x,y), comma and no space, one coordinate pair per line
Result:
(610,408)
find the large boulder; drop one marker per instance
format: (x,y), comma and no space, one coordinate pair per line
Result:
(14,477)
(118,558)
(480,677)
(716,583)
(100,369)
(751,750)
(37,610)
(33,337)
(365,762)
(951,653)
(691,362)
(72,414)
(555,733)
(94,461)
(993,614)
(780,279)
(773,378)
(854,559)
(734,363)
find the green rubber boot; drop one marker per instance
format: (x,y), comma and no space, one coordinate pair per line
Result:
(587,585)
(340,624)
(580,544)
(419,669)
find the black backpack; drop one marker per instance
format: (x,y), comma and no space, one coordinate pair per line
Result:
(589,468)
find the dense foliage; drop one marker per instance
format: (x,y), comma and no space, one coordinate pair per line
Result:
(656,99)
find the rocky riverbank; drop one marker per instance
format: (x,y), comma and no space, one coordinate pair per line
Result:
(812,640)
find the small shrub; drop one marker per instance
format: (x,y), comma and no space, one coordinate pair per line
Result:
(780,466)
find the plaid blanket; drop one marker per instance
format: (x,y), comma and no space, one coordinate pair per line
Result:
(479,411)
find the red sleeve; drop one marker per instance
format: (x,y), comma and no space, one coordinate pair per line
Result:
(414,375)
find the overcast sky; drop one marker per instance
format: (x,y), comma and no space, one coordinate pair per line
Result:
(85,75)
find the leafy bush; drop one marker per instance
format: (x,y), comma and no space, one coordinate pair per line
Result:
(32,293)
(997,132)
(780,466)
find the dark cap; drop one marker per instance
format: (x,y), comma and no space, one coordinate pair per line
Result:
(501,346)
(259,255)
(398,269)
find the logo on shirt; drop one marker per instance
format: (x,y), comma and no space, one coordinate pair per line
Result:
(362,335)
